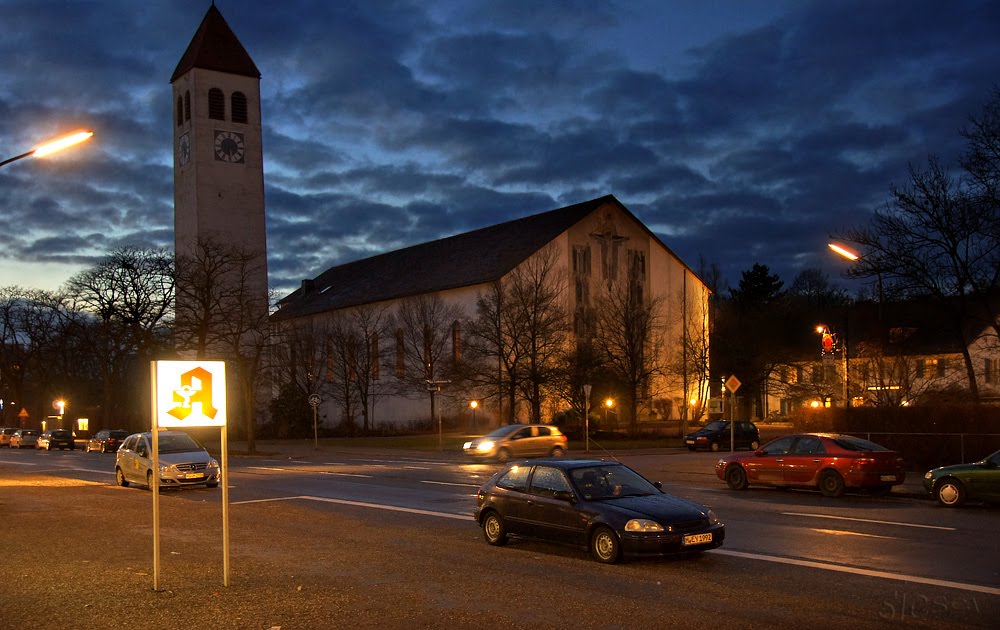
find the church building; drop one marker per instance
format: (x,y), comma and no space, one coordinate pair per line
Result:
(477,327)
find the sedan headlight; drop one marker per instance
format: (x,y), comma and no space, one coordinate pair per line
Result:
(643,525)
(712,518)
(928,475)
(467,446)
(485,446)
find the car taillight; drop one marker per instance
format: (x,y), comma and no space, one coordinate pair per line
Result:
(863,461)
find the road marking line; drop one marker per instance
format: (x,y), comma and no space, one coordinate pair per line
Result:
(268,468)
(337,474)
(451,483)
(393,508)
(866,520)
(842,532)
(416,468)
(866,572)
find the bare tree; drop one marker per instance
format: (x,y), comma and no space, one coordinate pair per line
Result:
(119,308)
(536,298)
(629,333)
(426,328)
(220,313)
(494,362)
(371,329)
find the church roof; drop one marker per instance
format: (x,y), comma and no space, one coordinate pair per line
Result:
(472,258)
(216,47)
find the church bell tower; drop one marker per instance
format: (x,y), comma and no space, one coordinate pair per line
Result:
(218,159)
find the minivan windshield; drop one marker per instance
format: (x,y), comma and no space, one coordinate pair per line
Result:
(178,443)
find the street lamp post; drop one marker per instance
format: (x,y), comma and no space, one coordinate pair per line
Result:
(473,404)
(52,146)
(608,404)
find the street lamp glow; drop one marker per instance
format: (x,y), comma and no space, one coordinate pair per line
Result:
(609,403)
(843,251)
(62,143)
(474,403)
(53,145)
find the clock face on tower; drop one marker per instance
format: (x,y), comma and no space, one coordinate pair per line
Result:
(184,149)
(229,146)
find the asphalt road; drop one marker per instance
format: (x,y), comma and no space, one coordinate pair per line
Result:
(335,537)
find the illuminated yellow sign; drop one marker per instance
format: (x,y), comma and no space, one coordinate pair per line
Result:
(189,393)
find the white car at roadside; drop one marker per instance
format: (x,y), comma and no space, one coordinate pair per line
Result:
(183,461)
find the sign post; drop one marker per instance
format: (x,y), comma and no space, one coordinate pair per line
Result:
(188,394)
(314,401)
(732,384)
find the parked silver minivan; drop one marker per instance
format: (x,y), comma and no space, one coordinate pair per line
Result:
(183,461)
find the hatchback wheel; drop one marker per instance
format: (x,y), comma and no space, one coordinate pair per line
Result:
(120,476)
(949,492)
(831,484)
(736,478)
(604,546)
(557,451)
(494,530)
(754,445)
(503,456)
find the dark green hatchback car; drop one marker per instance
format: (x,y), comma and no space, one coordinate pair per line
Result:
(953,485)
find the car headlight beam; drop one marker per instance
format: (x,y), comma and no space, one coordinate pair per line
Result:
(485,446)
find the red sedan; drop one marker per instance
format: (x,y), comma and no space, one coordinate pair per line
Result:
(826,461)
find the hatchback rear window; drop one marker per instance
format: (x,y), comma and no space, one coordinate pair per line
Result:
(851,443)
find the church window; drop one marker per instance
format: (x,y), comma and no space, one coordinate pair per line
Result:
(400,354)
(991,369)
(581,260)
(216,104)
(180,111)
(187,105)
(239,107)
(456,342)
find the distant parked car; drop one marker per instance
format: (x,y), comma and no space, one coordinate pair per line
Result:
(183,461)
(830,462)
(715,436)
(23,438)
(106,440)
(953,485)
(56,438)
(5,434)
(518,440)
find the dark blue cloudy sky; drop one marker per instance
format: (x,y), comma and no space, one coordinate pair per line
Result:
(740,131)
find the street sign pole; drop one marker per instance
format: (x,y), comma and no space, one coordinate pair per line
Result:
(732,384)
(314,401)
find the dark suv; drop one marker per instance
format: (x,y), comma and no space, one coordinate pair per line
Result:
(715,435)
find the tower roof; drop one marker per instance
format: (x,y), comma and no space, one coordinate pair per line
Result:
(216,47)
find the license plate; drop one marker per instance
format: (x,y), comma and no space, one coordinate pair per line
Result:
(696,539)
(690,441)
(194,476)
(887,478)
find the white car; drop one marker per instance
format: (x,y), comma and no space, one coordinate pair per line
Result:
(183,461)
